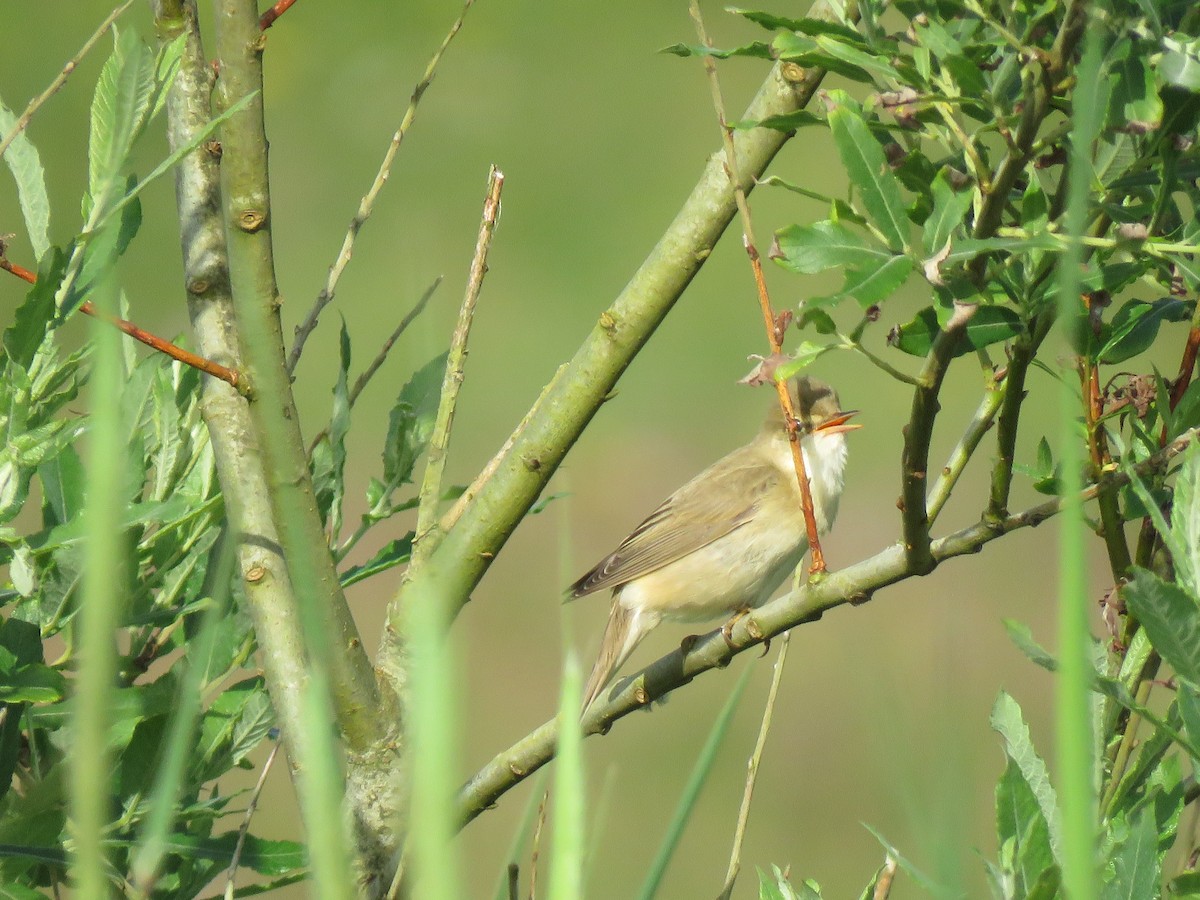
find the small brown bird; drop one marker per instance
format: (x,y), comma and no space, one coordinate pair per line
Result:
(726,540)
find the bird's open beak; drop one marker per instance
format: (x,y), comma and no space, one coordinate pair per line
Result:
(838,423)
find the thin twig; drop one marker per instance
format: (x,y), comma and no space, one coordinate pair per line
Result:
(231,873)
(367,205)
(486,473)
(435,461)
(537,846)
(369,372)
(857,583)
(883,884)
(774,331)
(979,425)
(216,370)
(61,78)
(267,19)
(739,834)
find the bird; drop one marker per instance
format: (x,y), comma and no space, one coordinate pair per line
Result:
(724,542)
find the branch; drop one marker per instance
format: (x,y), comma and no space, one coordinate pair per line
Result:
(857,585)
(61,78)
(484,526)
(367,205)
(774,326)
(207,366)
(979,425)
(427,532)
(267,19)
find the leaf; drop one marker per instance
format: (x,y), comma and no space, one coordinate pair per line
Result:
(806,354)
(63,480)
(410,424)
(263,856)
(34,316)
(809,249)
(949,209)
(988,325)
(122,100)
(1007,721)
(1135,326)
(755,50)
(830,53)
(873,285)
(1185,522)
(1180,65)
(1171,619)
(787,122)
(805,26)
(329,456)
(1019,634)
(1019,820)
(868,170)
(26,167)
(1135,862)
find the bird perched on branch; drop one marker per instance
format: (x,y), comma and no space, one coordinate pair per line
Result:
(725,541)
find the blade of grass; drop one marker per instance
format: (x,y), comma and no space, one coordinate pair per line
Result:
(104,574)
(1074,721)
(691,792)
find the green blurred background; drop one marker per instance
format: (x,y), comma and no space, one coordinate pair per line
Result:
(884,713)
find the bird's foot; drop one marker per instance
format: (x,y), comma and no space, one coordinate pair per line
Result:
(727,628)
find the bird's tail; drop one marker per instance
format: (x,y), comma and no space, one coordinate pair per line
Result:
(625,630)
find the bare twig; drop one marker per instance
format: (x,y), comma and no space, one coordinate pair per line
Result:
(486,473)
(774,331)
(367,205)
(980,423)
(231,873)
(267,19)
(435,463)
(739,834)
(807,603)
(207,366)
(62,77)
(369,372)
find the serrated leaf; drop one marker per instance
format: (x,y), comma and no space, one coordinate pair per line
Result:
(804,356)
(263,856)
(34,316)
(988,325)
(122,100)
(26,167)
(874,285)
(1019,820)
(1171,619)
(755,50)
(393,553)
(1008,722)
(808,26)
(1022,637)
(864,161)
(809,249)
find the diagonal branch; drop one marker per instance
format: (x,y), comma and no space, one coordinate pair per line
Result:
(857,584)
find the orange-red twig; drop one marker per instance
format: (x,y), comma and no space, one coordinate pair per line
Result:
(216,370)
(268,18)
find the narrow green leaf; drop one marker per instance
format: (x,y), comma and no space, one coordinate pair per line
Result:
(863,158)
(1171,618)
(123,97)
(1019,820)
(1180,65)
(410,424)
(872,285)
(1019,634)
(755,50)
(35,315)
(393,553)
(26,167)
(806,354)
(1008,722)
(1136,868)
(1185,522)
(1135,326)
(809,249)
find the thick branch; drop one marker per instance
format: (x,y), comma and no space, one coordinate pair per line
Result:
(807,603)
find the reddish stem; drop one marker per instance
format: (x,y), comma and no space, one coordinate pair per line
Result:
(268,18)
(216,370)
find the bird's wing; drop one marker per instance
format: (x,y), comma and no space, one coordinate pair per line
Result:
(712,504)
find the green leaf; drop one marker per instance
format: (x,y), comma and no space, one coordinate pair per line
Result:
(872,285)
(329,456)
(949,209)
(1135,326)
(787,122)
(1171,619)
(1180,65)
(1136,869)
(262,856)
(830,53)
(755,50)
(863,158)
(988,325)
(410,424)
(1185,522)
(1019,634)
(1134,96)
(1008,722)
(806,354)
(805,26)
(35,315)
(26,167)
(1019,820)
(120,106)
(809,249)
